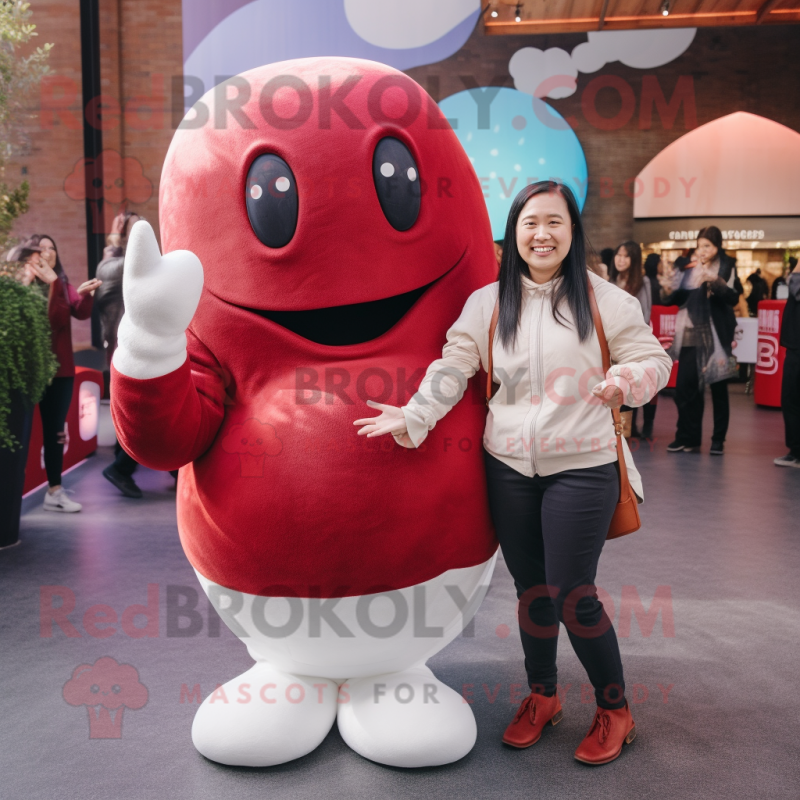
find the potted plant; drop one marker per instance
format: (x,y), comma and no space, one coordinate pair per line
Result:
(27,365)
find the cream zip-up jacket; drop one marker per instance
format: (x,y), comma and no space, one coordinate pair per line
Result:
(544,419)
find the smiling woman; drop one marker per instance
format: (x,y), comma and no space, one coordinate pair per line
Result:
(552,491)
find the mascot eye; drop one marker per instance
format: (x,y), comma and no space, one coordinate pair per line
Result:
(397,183)
(271,199)
(116,688)
(94,688)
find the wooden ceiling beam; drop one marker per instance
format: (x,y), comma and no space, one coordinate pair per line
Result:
(616,23)
(602,19)
(764,10)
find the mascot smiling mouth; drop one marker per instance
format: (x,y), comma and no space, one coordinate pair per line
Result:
(342,325)
(351,324)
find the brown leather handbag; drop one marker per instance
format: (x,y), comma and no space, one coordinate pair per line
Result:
(626,515)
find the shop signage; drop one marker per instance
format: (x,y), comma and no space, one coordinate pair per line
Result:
(734,229)
(742,236)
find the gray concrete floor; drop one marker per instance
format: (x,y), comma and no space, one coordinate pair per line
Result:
(720,537)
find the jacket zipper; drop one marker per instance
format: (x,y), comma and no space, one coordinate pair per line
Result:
(538,357)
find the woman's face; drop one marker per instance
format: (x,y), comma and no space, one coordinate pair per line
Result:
(48,252)
(544,234)
(622,261)
(706,252)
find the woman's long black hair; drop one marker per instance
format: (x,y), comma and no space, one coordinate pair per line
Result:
(573,271)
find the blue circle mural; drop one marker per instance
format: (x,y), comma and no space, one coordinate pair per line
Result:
(513,139)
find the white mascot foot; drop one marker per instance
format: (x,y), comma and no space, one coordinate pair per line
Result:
(406,719)
(265,717)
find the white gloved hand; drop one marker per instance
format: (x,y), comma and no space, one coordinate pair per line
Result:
(390,420)
(161,294)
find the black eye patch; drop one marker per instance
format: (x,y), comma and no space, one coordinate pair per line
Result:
(271,200)
(397,183)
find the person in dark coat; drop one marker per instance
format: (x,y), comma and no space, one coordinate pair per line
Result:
(781,280)
(759,291)
(651,265)
(110,308)
(704,332)
(790,385)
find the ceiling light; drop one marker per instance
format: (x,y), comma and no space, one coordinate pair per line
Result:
(494,12)
(665,8)
(518,13)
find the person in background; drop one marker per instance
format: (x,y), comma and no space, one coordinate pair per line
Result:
(627,273)
(594,264)
(790,386)
(64,302)
(759,291)
(110,308)
(607,257)
(706,291)
(652,265)
(781,281)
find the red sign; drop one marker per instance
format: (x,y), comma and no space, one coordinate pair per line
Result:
(662,321)
(769,367)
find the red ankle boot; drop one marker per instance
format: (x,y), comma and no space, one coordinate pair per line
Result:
(534,713)
(610,729)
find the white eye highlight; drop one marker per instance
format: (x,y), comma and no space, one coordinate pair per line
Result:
(255,191)
(412,174)
(387,169)
(282,184)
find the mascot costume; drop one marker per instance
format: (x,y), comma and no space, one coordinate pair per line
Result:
(322,227)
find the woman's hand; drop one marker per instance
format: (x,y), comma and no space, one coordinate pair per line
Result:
(666,340)
(611,395)
(42,271)
(89,287)
(26,276)
(707,273)
(390,420)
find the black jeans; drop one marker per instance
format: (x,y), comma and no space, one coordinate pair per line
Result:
(54,407)
(790,400)
(551,531)
(124,463)
(12,468)
(690,399)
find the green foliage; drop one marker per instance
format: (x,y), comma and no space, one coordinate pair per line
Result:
(27,363)
(21,69)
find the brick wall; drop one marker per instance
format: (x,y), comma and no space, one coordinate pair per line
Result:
(753,69)
(140,41)
(732,69)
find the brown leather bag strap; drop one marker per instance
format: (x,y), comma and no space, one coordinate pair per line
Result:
(624,483)
(490,367)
